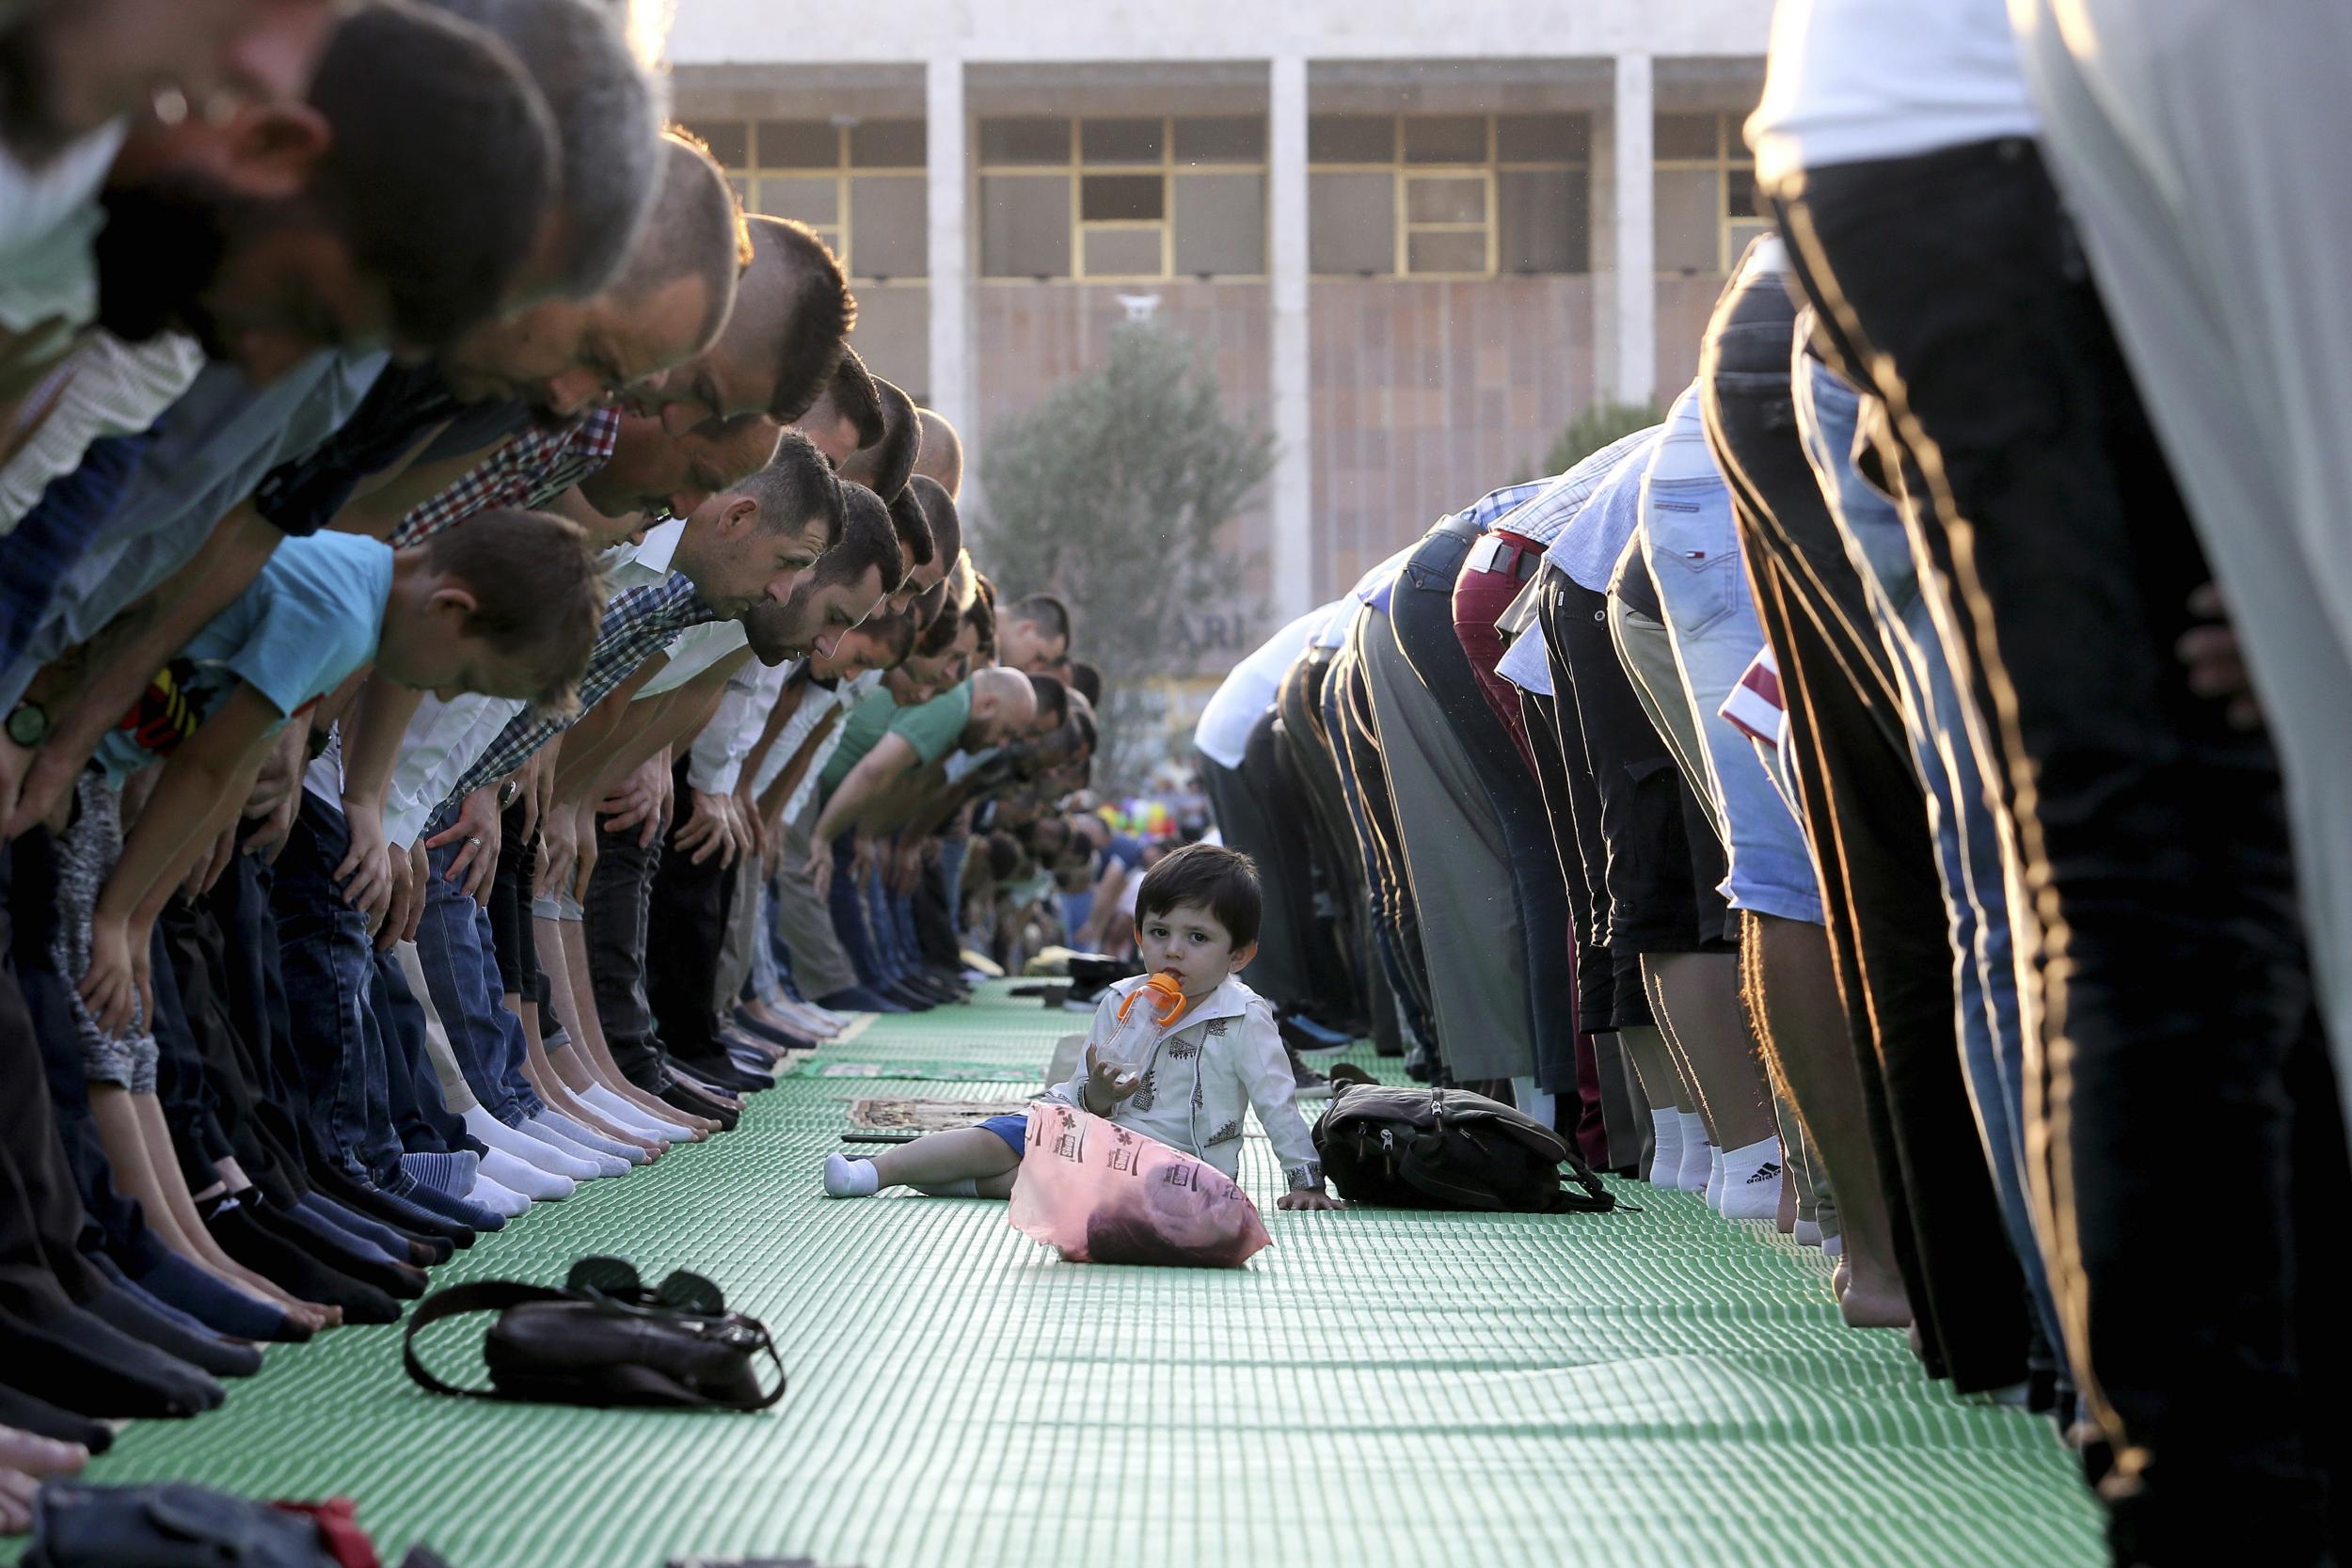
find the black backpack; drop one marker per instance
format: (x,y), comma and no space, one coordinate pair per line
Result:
(1448,1148)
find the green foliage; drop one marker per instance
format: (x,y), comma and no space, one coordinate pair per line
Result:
(1594,429)
(1111,492)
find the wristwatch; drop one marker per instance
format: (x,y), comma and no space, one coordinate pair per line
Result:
(29,723)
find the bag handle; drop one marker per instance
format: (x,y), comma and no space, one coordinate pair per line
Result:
(488,1295)
(497,1295)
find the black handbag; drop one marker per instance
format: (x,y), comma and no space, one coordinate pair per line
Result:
(1410,1148)
(605,1340)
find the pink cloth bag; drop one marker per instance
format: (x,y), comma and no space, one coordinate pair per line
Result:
(1104,1194)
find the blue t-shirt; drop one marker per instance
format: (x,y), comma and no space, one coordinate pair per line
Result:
(1126,851)
(307,621)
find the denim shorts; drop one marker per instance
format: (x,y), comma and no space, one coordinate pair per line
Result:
(1693,549)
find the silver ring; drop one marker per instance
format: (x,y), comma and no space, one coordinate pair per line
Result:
(475,841)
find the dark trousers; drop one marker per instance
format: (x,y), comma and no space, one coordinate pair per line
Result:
(1421,611)
(41,1221)
(1650,857)
(1337,864)
(325,954)
(1397,920)
(421,1120)
(615,917)
(1867,816)
(2161,929)
(686,928)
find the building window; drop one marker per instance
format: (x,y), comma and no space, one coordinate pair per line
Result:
(1448,195)
(859,185)
(1705,188)
(1140,198)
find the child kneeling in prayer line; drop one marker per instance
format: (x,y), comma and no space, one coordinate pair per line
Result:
(1195,922)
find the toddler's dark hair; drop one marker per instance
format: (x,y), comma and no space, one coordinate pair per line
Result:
(1224,881)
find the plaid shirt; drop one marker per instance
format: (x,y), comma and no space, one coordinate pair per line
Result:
(638,624)
(530,471)
(1549,506)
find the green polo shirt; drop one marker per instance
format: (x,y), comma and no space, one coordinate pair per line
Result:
(932,729)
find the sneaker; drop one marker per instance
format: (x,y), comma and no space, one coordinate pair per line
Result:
(1310,1083)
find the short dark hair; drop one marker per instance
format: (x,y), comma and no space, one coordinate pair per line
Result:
(893,631)
(1003,855)
(857,397)
(891,454)
(608,113)
(1082,720)
(690,233)
(914,529)
(537,589)
(940,634)
(1049,610)
(1086,681)
(797,485)
(982,613)
(819,313)
(1225,881)
(939,507)
(867,542)
(1051,697)
(439,163)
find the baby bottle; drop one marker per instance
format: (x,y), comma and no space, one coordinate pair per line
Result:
(1139,1029)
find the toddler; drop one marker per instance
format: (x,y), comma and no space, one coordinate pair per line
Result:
(1195,922)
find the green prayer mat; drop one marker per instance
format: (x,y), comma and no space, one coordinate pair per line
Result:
(1636,1390)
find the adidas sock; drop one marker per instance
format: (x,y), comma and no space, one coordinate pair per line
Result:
(847,1178)
(1751,1185)
(968,1187)
(512,1170)
(1665,1166)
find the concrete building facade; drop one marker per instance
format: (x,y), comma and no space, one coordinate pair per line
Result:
(1415,240)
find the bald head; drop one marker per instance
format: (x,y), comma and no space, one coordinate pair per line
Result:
(1003,703)
(941,457)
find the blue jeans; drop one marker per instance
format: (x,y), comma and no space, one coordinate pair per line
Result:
(1692,547)
(324,953)
(849,920)
(462,973)
(1967,834)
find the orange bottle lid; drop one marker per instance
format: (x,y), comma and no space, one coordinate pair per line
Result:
(1168,999)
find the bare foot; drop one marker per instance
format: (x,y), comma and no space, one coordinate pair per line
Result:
(35,1455)
(1870,1303)
(1839,1278)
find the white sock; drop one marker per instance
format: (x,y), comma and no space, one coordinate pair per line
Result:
(1750,1185)
(968,1187)
(1808,1234)
(519,1174)
(1714,1176)
(1693,1175)
(633,1116)
(497,1198)
(1833,1247)
(1665,1165)
(847,1178)
(495,1134)
(627,1153)
(602,1164)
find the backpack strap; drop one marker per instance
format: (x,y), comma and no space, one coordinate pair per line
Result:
(488,1295)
